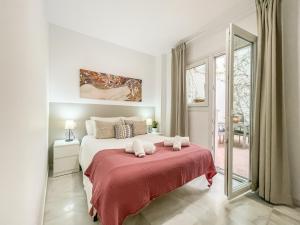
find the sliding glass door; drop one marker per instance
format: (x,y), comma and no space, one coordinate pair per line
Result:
(241,50)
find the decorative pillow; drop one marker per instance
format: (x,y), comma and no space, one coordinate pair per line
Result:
(105,129)
(105,119)
(139,127)
(89,126)
(123,131)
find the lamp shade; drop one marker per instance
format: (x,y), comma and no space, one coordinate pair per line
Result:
(149,122)
(70,124)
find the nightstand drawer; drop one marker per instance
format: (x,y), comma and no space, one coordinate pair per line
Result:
(64,151)
(65,165)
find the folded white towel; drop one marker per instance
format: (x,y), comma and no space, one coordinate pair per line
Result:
(169,141)
(185,141)
(149,148)
(177,143)
(129,148)
(138,148)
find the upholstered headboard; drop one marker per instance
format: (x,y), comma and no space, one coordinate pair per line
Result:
(59,112)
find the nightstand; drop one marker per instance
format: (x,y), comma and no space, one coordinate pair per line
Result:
(65,157)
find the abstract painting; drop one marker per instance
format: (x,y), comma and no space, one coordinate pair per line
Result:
(98,85)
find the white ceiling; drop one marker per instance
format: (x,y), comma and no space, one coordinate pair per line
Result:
(150,26)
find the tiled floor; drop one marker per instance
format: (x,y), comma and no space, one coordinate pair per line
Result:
(192,204)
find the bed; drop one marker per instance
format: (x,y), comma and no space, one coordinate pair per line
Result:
(114,196)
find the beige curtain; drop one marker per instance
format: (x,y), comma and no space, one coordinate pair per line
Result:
(179,115)
(270,165)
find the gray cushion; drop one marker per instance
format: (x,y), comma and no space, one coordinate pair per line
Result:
(123,131)
(139,127)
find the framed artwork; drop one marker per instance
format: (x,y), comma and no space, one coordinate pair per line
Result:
(97,85)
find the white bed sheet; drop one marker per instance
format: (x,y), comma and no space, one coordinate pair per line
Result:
(90,146)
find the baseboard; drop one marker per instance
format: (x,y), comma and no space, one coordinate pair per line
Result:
(44,197)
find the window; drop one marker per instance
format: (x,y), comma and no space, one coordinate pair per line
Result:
(197,83)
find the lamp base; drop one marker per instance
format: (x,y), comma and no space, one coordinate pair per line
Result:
(69,140)
(70,134)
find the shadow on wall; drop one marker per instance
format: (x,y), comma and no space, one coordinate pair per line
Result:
(291,51)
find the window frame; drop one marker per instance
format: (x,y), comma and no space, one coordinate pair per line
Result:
(204,61)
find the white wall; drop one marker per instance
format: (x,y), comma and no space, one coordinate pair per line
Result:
(291,59)
(24,111)
(207,46)
(70,51)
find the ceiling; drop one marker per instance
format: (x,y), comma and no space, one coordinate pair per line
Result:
(149,26)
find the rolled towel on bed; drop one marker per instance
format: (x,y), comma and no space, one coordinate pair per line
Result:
(177,143)
(185,141)
(149,148)
(169,141)
(138,148)
(128,148)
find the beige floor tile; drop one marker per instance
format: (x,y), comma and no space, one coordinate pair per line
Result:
(291,212)
(192,204)
(278,218)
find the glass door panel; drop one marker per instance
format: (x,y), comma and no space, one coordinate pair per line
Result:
(219,111)
(241,46)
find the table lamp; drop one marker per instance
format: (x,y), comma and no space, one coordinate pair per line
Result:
(149,124)
(69,126)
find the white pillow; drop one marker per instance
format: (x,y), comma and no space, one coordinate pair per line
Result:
(89,126)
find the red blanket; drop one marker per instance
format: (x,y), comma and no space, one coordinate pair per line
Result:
(123,184)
